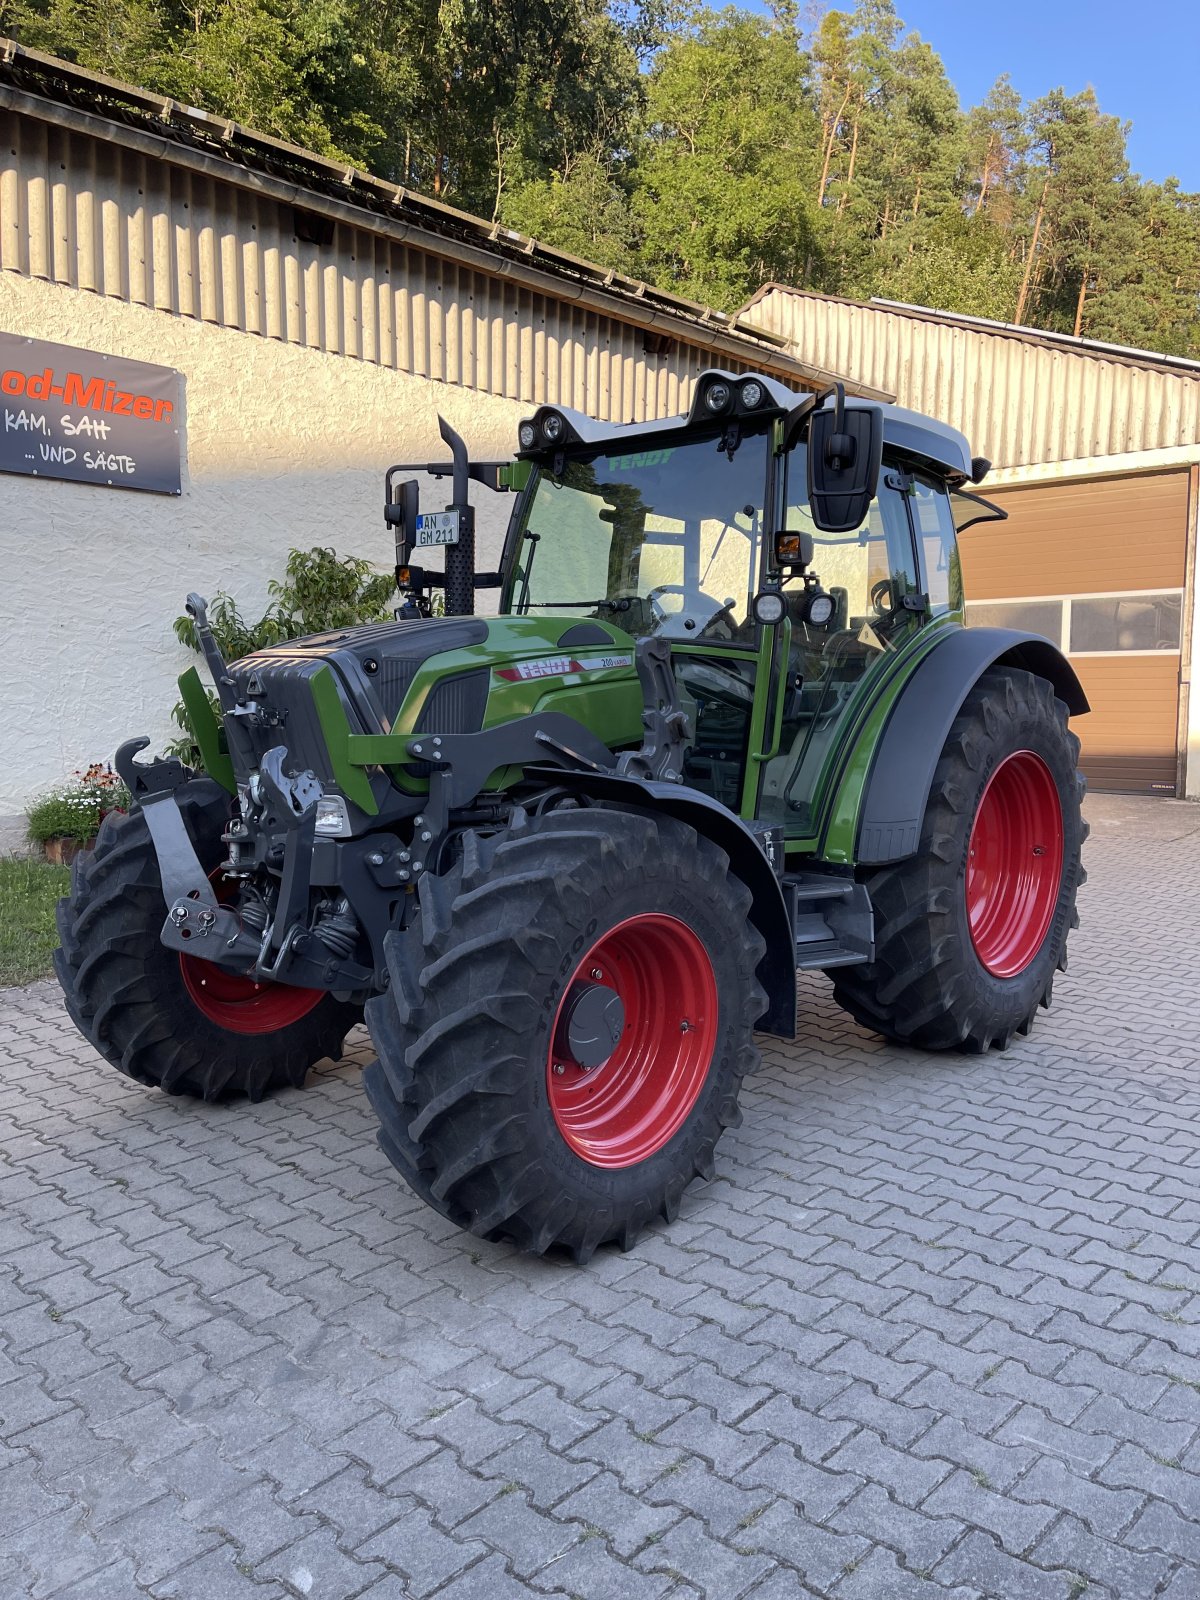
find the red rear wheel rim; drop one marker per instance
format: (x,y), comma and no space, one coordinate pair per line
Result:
(624,1110)
(237,1004)
(1014,864)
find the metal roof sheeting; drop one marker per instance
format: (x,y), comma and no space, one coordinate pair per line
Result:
(1020,397)
(191,215)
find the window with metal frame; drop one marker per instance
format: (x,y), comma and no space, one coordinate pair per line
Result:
(1121,623)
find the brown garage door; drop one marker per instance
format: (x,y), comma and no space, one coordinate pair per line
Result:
(1098,567)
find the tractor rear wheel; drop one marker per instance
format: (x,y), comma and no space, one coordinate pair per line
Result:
(970,931)
(170,1020)
(566,1027)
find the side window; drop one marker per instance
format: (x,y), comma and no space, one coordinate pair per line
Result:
(933,517)
(867,572)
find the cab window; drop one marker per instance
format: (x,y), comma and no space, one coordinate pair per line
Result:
(933,518)
(868,574)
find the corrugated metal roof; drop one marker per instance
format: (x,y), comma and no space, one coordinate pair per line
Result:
(108,188)
(1020,395)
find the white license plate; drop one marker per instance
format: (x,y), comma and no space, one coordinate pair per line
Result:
(436,527)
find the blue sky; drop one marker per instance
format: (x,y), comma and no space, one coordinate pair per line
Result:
(1143,62)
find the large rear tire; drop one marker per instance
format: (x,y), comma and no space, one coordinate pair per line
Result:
(171,1021)
(970,931)
(566,1027)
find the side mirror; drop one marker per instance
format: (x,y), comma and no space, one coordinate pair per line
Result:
(845,451)
(400,512)
(792,552)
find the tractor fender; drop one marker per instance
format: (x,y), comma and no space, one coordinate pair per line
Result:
(901,775)
(769,912)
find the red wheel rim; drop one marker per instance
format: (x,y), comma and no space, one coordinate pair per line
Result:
(237,1004)
(632,1104)
(1014,864)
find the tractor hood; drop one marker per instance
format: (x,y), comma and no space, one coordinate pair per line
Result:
(442,675)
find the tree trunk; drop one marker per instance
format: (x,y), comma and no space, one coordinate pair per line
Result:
(1023,297)
(833,128)
(845,195)
(984,182)
(1083,278)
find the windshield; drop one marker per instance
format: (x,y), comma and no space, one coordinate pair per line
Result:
(656,540)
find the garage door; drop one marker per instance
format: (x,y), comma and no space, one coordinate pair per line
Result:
(1098,567)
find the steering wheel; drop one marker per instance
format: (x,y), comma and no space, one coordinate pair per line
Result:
(709,680)
(693,619)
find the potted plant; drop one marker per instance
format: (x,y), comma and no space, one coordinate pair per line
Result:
(68,819)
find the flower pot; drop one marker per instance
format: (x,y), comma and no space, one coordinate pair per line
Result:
(61,852)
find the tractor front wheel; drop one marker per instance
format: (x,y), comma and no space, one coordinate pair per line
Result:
(170,1020)
(566,1027)
(970,931)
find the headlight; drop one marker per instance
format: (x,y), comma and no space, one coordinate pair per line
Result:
(752,393)
(527,434)
(333,820)
(552,427)
(717,396)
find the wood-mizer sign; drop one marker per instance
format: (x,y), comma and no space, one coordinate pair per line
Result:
(87,417)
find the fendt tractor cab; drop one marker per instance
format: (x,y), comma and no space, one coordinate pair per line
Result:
(566,859)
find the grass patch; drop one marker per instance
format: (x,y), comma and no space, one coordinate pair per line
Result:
(29,891)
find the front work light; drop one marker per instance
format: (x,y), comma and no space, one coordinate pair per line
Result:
(527,435)
(751,394)
(768,607)
(820,610)
(717,397)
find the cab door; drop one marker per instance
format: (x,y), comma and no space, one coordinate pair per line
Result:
(872,576)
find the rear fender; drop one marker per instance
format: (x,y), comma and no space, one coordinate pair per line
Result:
(768,912)
(896,791)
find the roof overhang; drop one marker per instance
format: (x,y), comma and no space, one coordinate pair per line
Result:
(59,92)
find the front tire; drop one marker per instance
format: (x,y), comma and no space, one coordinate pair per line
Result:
(566,1028)
(171,1021)
(970,931)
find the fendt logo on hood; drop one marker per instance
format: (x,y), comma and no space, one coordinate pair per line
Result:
(558,666)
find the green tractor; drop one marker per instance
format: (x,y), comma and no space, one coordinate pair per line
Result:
(566,859)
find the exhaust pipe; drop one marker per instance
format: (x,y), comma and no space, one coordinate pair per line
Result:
(460,557)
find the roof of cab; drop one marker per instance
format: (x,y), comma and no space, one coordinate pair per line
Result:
(910,432)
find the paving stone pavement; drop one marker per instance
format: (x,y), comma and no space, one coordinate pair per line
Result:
(934,1330)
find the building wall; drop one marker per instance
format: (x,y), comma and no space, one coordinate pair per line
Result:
(285,447)
(1017,401)
(151,223)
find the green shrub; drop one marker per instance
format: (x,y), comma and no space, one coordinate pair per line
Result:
(320,591)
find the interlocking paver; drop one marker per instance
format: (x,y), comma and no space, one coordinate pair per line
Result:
(933,1332)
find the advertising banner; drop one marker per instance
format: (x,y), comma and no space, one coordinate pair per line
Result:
(87,417)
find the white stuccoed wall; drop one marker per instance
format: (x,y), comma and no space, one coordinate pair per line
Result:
(284,447)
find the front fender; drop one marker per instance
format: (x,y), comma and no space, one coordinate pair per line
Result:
(896,792)
(768,912)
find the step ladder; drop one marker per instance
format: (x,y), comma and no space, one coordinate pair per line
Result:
(832,918)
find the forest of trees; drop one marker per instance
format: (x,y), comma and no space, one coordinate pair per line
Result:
(706,151)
